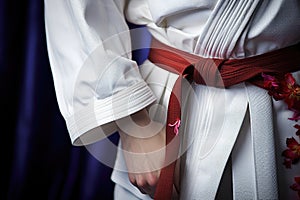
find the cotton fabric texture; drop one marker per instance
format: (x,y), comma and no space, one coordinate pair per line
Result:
(96,83)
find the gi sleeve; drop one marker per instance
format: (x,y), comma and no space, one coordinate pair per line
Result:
(96,82)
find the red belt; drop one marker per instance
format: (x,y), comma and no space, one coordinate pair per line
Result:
(212,72)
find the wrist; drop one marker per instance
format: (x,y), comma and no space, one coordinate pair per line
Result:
(139,126)
(141,118)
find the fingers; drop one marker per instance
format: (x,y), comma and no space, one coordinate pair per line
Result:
(141,183)
(145,182)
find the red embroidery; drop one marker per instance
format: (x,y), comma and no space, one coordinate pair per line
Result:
(285,88)
(176,126)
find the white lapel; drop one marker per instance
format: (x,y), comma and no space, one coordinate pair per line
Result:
(224,27)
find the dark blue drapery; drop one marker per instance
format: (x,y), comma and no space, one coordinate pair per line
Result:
(38,160)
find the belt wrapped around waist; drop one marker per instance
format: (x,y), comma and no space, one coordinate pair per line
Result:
(211,72)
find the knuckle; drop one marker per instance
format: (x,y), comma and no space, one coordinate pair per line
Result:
(132,180)
(141,182)
(153,180)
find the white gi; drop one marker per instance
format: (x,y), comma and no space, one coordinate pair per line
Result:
(97,83)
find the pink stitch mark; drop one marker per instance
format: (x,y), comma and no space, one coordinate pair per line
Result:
(176,126)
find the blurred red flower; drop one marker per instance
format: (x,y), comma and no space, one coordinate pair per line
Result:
(296,185)
(292,154)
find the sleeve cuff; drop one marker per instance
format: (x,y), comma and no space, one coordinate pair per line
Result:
(96,120)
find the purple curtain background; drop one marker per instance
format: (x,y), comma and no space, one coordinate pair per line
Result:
(38,160)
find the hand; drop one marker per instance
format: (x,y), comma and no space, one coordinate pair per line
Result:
(143,143)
